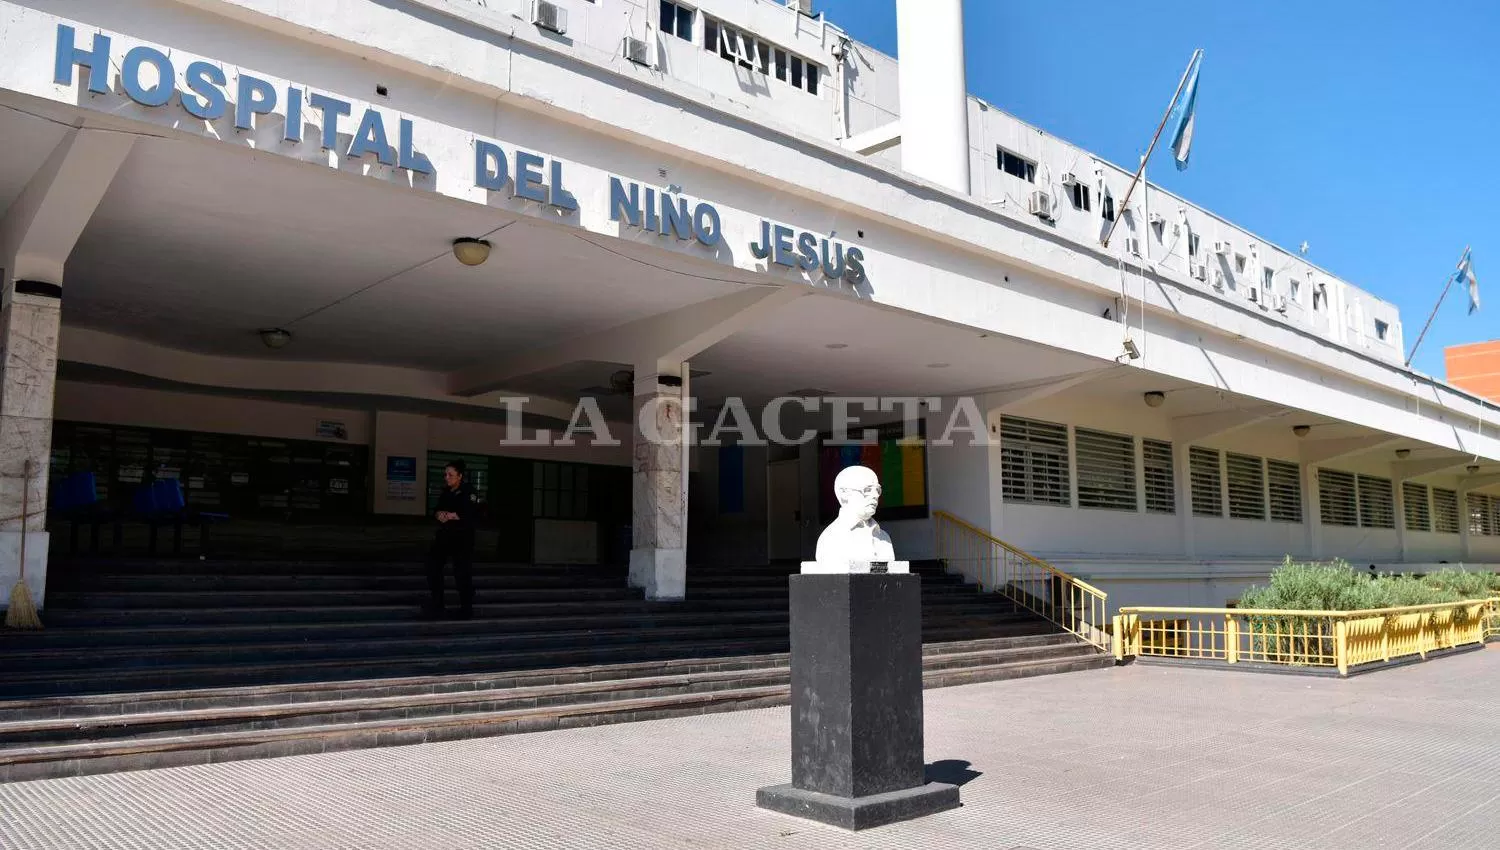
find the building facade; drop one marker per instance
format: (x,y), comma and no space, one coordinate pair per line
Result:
(1474,367)
(229,257)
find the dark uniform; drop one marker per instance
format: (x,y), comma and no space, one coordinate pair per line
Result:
(455,539)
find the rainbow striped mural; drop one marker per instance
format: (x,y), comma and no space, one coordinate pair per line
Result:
(901,463)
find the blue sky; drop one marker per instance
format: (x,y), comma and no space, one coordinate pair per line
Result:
(1368,128)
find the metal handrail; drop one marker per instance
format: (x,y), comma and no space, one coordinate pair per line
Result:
(1030,582)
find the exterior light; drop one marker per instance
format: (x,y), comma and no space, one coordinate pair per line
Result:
(471,252)
(1155,398)
(1131,351)
(1472,468)
(275,337)
(1301,430)
(1403,453)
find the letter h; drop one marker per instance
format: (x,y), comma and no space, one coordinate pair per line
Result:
(68,55)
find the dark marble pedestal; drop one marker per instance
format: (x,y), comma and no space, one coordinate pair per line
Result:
(857,757)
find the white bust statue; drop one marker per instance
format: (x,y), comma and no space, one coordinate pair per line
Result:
(854,540)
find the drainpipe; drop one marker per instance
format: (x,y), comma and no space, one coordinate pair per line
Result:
(934,91)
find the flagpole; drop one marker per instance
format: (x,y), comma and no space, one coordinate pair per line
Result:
(1447,286)
(1125,204)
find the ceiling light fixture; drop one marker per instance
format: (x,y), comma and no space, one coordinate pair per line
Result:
(1403,453)
(471,252)
(275,337)
(1301,430)
(1155,398)
(1472,468)
(836,345)
(937,365)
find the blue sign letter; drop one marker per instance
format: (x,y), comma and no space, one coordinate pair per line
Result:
(529,177)
(130,76)
(410,159)
(68,55)
(370,138)
(561,197)
(254,97)
(488,176)
(623,203)
(332,108)
(706,226)
(206,80)
(781,252)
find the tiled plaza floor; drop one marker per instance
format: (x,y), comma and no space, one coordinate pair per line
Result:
(1134,757)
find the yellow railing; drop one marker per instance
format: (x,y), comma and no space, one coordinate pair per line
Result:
(1034,584)
(1334,639)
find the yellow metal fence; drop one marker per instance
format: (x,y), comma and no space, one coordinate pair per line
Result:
(1330,639)
(1033,584)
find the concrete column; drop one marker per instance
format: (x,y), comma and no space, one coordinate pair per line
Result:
(1312,514)
(1182,479)
(37,233)
(1399,506)
(658,554)
(1465,539)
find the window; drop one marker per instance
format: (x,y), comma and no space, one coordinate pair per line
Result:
(1081,197)
(1381,329)
(1444,511)
(747,51)
(1107,206)
(1034,462)
(1106,470)
(1377,502)
(1247,486)
(1268,280)
(1193,245)
(1015,165)
(1161,485)
(676,20)
(1320,297)
(1206,480)
(1414,506)
(559,490)
(1337,504)
(1239,263)
(1295,290)
(1284,481)
(1480,520)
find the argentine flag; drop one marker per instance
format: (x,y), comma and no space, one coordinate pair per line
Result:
(1184,114)
(1467,278)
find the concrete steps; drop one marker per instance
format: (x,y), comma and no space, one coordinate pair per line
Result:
(71,736)
(153,663)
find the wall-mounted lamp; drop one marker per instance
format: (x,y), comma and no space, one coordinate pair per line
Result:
(1301,430)
(1403,453)
(471,252)
(1131,350)
(1155,398)
(275,337)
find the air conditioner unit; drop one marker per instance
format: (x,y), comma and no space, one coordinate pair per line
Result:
(1133,246)
(1281,303)
(1156,220)
(1219,280)
(1223,248)
(549,16)
(1041,204)
(637,51)
(1200,271)
(1069,178)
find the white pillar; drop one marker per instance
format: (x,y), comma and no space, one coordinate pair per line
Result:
(37,234)
(934,91)
(1182,479)
(1312,512)
(1465,538)
(658,554)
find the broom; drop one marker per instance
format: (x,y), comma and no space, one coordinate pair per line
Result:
(22,611)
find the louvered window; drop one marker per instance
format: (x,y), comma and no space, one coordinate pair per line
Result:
(1106,469)
(1161,484)
(1377,502)
(1444,511)
(1034,461)
(1414,506)
(1247,486)
(1206,479)
(1480,521)
(1336,502)
(1284,480)
(1494,515)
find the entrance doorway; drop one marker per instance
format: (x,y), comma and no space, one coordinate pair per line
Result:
(784,510)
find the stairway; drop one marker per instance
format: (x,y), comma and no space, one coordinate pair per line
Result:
(157,663)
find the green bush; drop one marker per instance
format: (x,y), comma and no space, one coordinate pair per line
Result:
(1336,586)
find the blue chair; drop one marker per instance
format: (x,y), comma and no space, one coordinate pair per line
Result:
(76,499)
(162,503)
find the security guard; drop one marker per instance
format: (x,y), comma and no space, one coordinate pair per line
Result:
(457,513)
